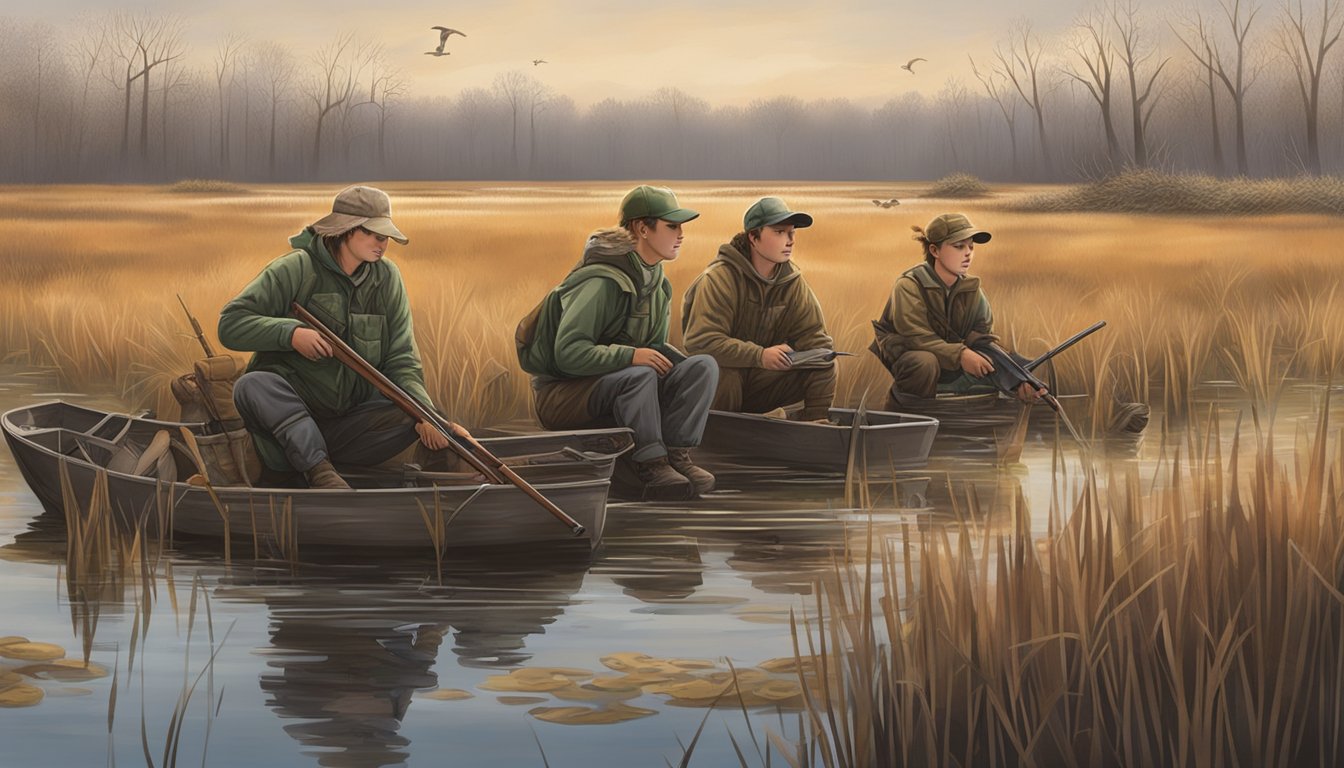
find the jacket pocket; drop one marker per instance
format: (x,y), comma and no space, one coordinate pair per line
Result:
(366,337)
(330,309)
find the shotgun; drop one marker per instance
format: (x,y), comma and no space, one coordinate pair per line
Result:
(195,326)
(477,456)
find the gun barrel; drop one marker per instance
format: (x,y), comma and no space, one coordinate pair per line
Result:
(196,327)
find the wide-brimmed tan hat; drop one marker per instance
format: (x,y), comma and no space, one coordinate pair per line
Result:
(358,206)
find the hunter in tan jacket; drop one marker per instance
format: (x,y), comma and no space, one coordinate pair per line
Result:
(750,309)
(936,312)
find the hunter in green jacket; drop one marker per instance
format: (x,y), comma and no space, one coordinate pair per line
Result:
(306,410)
(751,309)
(597,348)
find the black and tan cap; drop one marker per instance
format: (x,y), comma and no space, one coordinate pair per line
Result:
(954,227)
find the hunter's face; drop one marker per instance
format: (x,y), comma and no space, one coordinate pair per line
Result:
(775,244)
(954,259)
(365,246)
(664,239)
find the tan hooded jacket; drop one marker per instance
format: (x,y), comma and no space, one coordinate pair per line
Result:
(732,313)
(923,314)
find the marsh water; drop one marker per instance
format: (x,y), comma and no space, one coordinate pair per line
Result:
(344,660)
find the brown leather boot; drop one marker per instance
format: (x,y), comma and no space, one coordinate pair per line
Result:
(323,475)
(680,459)
(662,482)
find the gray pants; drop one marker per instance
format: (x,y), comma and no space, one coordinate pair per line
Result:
(667,411)
(285,431)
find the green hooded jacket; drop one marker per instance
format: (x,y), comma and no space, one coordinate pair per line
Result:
(610,304)
(732,313)
(368,310)
(924,314)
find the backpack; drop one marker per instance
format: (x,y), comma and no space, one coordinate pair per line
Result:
(534,337)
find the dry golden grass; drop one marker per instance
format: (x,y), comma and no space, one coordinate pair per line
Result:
(92,273)
(1198,623)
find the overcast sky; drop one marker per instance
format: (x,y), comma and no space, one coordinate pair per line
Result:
(726,51)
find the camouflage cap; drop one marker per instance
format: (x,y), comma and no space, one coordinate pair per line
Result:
(645,202)
(358,206)
(772,210)
(954,227)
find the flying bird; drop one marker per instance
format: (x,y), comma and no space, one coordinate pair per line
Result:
(535,62)
(886,203)
(444,33)
(909,66)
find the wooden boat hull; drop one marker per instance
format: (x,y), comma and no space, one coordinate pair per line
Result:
(883,443)
(57,438)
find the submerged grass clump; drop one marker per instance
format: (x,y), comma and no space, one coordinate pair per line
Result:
(1194,617)
(1149,191)
(958,185)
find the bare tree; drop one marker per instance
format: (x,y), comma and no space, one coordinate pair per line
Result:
(996,86)
(538,99)
(386,84)
(1237,75)
(88,51)
(1135,54)
(226,69)
(1097,55)
(276,69)
(1021,62)
(682,106)
(513,86)
(174,77)
(953,99)
(777,116)
(1308,58)
(332,86)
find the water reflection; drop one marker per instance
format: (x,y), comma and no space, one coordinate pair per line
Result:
(349,646)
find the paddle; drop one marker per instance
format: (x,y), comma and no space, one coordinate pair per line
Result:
(477,456)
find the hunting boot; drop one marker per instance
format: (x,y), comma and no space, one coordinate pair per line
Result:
(680,459)
(323,475)
(662,482)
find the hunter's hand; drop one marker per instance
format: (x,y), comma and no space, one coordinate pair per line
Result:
(430,436)
(1029,394)
(776,358)
(653,359)
(310,344)
(461,431)
(975,363)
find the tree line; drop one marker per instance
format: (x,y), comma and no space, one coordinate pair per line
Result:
(1228,87)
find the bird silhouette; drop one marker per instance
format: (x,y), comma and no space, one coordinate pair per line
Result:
(444,33)
(886,203)
(535,62)
(909,66)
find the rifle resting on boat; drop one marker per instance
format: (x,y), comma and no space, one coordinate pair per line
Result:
(478,457)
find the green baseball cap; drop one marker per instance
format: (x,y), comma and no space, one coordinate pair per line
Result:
(645,202)
(772,210)
(954,227)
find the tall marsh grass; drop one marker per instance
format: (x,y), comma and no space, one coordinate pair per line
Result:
(1253,298)
(1149,191)
(1192,618)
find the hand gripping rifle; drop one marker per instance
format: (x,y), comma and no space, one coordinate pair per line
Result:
(477,456)
(1009,374)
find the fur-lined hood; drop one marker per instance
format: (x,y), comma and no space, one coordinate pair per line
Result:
(608,242)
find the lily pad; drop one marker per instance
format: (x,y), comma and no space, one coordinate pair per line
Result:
(20,696)
(692,689)
(32,651)
(594,693)
(628,661)
(11,639)
(446,694)
(615,713)
(526,681)
(634,681)
(520,700)
(788,664)
(65,670)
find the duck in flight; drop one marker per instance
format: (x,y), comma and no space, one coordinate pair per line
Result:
(444,33)
(909,66)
